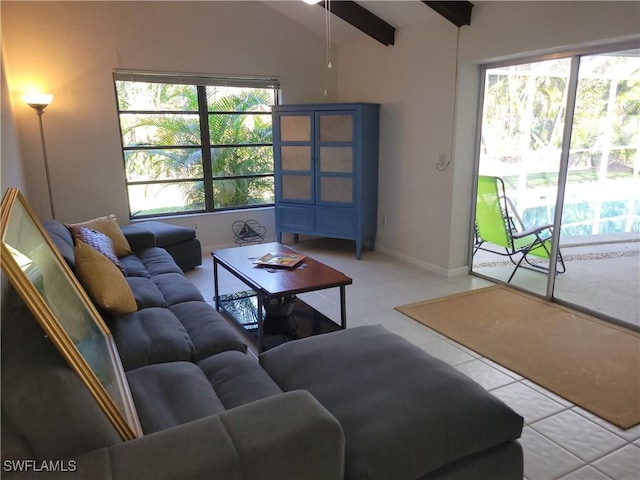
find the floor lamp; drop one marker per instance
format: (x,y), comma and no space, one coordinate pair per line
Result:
(40,101)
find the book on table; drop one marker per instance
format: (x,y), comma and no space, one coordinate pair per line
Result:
(279,259)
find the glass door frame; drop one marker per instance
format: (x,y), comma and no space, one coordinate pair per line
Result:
(575,56)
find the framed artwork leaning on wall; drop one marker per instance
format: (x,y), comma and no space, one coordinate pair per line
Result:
(57,300)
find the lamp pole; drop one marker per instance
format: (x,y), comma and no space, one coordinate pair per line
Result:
(39,103)
(40,112)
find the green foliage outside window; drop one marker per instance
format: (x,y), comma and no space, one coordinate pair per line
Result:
(181,158)
(522,133)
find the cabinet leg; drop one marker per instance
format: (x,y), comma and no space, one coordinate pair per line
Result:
(372,242)
(358,249)
(279,236)
(296,237)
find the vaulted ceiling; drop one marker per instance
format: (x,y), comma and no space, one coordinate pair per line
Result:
(376,19)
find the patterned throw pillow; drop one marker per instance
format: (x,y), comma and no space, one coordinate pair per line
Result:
(109,226)
(97,240)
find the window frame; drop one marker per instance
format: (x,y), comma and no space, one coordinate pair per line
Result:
(206,144)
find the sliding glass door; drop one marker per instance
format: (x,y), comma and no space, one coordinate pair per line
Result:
(558,178)
(520,152)
(601,209)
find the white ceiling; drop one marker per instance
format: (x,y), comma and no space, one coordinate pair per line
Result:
(397,13)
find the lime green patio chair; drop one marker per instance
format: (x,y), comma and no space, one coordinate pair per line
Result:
(498,224)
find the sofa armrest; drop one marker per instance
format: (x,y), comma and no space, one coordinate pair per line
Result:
(139,236)
(285,436)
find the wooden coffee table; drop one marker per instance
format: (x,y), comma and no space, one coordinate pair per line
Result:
(247,307)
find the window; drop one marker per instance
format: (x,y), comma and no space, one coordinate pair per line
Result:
(194,144)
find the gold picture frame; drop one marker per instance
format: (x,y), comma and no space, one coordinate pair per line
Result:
(57,300)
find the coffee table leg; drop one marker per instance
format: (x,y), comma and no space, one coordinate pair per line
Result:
(216,294)
(343,307)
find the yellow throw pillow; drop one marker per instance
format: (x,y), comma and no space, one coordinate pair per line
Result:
(103,281)
(109,226)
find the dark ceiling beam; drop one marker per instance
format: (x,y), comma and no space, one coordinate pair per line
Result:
(458,13)
(362,19)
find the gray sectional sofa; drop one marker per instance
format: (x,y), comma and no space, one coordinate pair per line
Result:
(354,404)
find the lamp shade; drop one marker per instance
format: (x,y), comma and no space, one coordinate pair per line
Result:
(37,100)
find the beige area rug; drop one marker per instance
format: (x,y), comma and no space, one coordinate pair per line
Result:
(591,363)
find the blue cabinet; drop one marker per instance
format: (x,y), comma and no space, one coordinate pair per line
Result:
(326,170)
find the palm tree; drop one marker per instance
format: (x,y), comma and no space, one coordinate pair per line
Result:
(168,145)
(237,129)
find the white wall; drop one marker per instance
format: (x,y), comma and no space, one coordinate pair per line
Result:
(413,81)
(11,171)
(71,48)
(428,210)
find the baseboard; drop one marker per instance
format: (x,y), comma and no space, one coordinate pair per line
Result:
(207,249)
(430,267)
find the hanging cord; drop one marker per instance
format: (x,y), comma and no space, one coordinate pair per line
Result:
(327,33)
(443,163)
(329,66)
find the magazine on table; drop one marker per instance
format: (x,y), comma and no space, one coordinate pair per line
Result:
(279,259)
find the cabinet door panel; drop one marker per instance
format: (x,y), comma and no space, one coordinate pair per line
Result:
(336,128)
(297,158)
(336,189)
(296,187)
(336,159)
(295,128)
(295,218)
(336,221)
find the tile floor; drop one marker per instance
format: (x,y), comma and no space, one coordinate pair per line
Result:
(560,440)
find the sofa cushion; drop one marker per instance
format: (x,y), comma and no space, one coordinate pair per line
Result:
(14,445)
(138,236)
(176,288)
(103,281)
(109,226)
(237,379)
(172,321)
(133,266)
(209,332)
(404,412)
(180,242)
(288,436)
(146,293)
(148,336)
(188,330)
(188,255)
(504,462)
(170,394)
(167,234)
(157,261)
